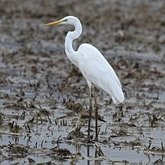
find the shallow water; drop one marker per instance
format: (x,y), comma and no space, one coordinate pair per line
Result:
(42,95)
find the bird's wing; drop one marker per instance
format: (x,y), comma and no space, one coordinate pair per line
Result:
(98,71)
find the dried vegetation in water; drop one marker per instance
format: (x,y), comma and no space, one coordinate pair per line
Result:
(44,99)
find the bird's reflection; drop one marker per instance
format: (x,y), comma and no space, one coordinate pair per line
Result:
(95,152)
(88,153)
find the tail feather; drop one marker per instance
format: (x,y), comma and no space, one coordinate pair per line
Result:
(116,93)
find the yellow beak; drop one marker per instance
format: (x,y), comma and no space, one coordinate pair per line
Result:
(55,23)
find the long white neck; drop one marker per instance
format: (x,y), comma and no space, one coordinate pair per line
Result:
(70,37)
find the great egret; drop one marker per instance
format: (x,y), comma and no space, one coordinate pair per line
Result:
(93,66)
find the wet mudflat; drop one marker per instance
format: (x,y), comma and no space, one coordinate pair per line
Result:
(42,95)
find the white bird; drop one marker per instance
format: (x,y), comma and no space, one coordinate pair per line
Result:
(93,66)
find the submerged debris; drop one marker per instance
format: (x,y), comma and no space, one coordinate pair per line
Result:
(44,98)
(60,153)
(75,134)
(17,150)
(76,107)
(155,149)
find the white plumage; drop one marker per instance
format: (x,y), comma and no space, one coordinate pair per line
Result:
(97,71)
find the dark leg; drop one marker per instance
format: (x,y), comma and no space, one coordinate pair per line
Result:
(96,115)
(90,114)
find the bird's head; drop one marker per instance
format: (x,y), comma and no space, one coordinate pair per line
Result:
(66,20)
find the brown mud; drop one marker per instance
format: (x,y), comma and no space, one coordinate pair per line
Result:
(42,95)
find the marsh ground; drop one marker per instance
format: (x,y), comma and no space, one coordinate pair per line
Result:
(42,95)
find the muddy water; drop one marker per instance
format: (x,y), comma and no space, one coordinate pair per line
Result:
(42,95)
